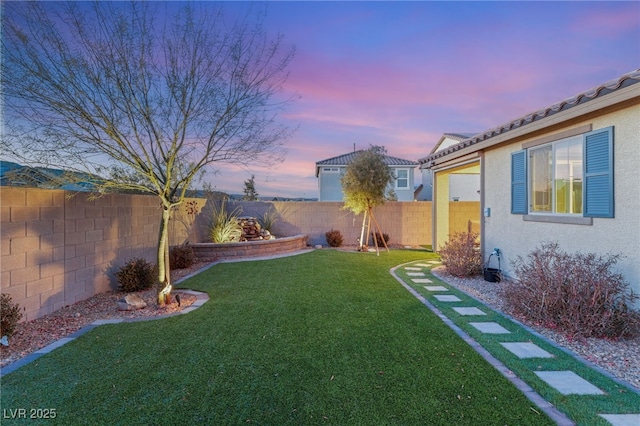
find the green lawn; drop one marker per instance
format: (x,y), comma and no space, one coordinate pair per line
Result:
(326,337)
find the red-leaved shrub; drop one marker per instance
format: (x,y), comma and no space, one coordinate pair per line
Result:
(334,238)
(577,293)
(461,254)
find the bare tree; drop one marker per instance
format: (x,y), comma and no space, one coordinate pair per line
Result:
(153,92)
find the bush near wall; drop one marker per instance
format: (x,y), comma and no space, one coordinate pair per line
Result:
(577,293)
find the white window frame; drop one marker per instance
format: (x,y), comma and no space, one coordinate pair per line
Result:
(398,178)
(530,170)
(330,169)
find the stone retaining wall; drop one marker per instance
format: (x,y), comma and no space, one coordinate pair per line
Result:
(213,251)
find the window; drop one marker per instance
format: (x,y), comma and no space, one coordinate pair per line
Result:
(330,169)
(402,179)
(556,177)
(567,177)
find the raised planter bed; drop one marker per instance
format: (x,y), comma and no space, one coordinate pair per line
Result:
(217,251)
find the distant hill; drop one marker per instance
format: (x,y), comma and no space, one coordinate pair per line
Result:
(14,174)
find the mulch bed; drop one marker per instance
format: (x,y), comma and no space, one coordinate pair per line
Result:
(33,335)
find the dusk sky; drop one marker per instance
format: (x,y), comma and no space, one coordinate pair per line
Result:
(402,74)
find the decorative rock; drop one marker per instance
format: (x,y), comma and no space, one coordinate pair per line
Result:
(251,229)
(131,302)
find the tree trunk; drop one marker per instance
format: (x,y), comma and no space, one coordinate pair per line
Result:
(164,277)
(375,239)
(364,221)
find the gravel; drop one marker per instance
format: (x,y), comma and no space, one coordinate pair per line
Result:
(620,358)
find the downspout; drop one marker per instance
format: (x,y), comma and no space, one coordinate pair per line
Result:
(482,206)
(434,216)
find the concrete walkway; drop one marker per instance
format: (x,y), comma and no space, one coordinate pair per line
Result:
(561,380)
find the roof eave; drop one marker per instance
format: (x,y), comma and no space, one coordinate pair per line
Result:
(466,147)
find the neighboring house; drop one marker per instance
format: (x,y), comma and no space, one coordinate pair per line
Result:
(466,188)
(567,173)
(330,171)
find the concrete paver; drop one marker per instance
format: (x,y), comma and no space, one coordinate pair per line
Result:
(469,311)
(435,287)
(622,419)
(447,298)
(568,383)
(421,280)
(526,350)
(415,274)
(489,327)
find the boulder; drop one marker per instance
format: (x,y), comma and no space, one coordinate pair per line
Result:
(131,302)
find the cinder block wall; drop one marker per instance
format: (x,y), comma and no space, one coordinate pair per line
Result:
(407,223)
(58,250)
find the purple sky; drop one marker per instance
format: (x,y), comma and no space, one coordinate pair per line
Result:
(402,74)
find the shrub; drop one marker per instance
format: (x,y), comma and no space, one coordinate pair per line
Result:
(334,238)
(381,237)
(136,275)
(225,227)
(576,293)
(181,257)
(461,254)
(269,219)
(10,315)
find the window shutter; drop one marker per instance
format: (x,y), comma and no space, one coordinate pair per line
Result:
(519,182)
(598,173)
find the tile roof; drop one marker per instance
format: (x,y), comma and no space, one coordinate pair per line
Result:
(346,159)
(623,81)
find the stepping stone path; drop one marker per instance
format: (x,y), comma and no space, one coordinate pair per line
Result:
(565,382)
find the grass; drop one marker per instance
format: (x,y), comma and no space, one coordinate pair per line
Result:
(326,337)
(584,410)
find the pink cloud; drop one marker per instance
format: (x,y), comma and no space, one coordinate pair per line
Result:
(610,22)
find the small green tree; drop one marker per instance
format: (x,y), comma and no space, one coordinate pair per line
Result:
(250,193)
(365,183)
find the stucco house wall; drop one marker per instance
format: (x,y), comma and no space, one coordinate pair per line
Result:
(606,118)
(621,234)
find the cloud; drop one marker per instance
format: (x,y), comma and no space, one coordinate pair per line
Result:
(611,21)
